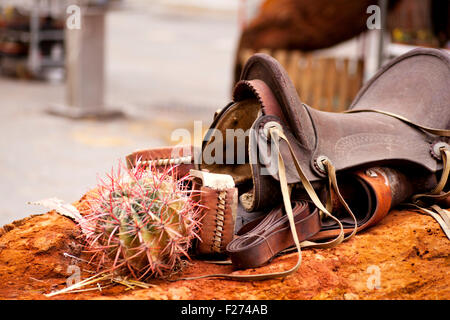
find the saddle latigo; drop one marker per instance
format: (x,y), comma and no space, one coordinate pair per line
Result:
(315,175)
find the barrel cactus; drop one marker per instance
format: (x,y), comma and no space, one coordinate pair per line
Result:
(143,221)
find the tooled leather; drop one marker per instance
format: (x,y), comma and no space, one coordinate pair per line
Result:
(348,140)
(369,139)
(217,228)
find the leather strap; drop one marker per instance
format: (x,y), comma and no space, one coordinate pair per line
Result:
(295,238)
(180,157)
(436,194)
(276,135)
(440,215)
(258,242)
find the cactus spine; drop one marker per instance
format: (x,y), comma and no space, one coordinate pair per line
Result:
(143,221)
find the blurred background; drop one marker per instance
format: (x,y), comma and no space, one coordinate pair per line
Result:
(79,90)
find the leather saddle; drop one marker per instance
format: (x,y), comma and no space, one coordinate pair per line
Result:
(398,125)
(415,86)
(305,176)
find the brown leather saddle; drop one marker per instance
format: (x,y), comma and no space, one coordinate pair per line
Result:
(309,178)
(398,125)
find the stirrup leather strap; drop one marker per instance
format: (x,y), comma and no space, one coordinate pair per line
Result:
(435,194)
(277,135)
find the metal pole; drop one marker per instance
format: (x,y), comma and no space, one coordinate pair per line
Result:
(85,64)
(381,36)
(33,55)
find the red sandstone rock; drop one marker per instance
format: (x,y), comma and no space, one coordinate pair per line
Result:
(409,250)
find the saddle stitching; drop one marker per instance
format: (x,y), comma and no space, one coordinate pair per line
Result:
(168,161)
(220,219)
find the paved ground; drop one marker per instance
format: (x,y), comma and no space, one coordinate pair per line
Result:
(165,68)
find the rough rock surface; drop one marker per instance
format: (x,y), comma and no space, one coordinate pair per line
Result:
(408,252)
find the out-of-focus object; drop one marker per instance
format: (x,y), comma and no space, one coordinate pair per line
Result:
(304,25)
(293,31)
(30,33)
(312,25)
(415,23)
(325,82)
(307,37)
(32,36)
(411,22)
(85,50)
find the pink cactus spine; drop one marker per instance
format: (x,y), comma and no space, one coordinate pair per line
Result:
(143,221)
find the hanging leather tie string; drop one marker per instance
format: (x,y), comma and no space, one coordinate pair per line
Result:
(435,194)
(276,135)
(441,216)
